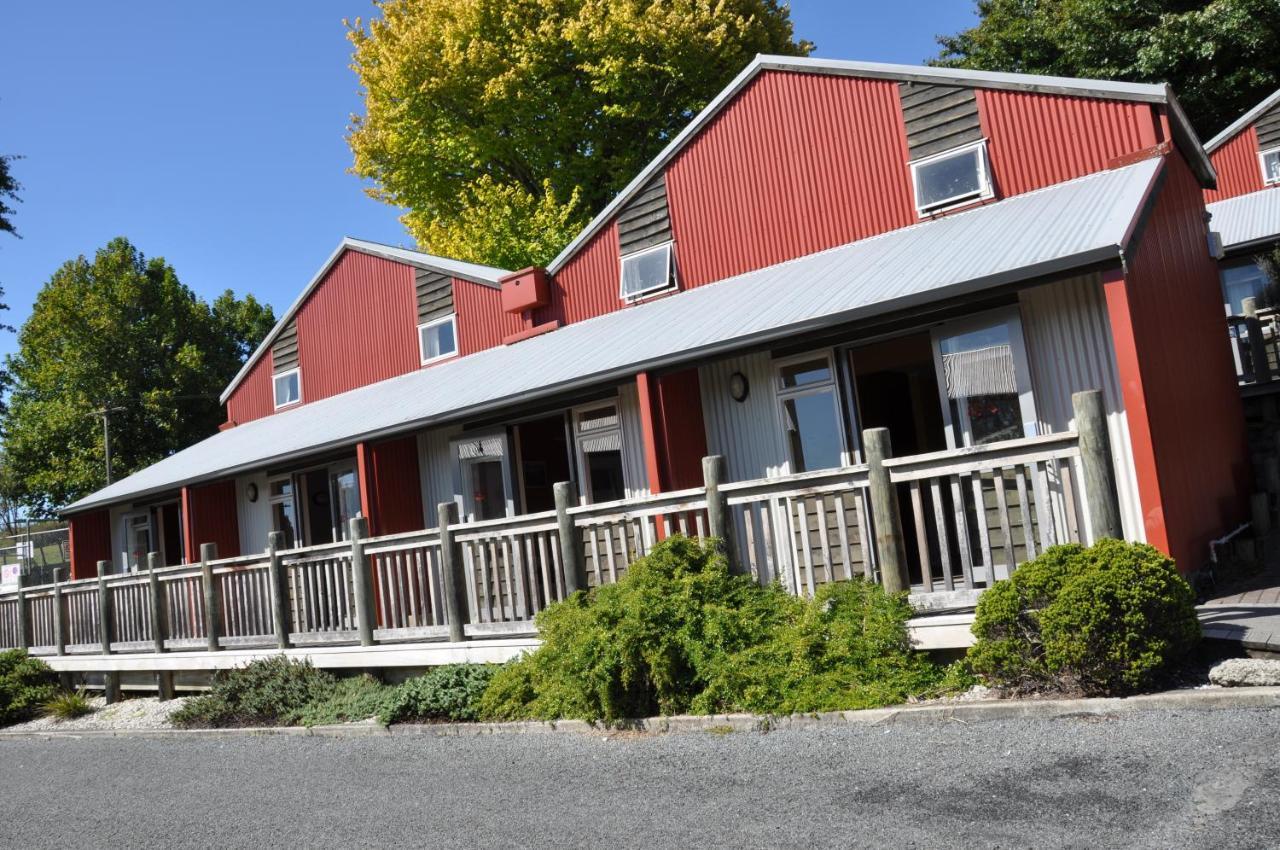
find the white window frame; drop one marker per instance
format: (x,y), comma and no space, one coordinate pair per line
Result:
(291,499)
(435,323)
(296,370)
(462,472)
(630,298)
(782,394)
(127,522)
(1011,318)
(1262,164)
(986,190)
(586,497)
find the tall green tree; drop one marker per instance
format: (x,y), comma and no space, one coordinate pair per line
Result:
(118,332)
(1220,56)
(503,126)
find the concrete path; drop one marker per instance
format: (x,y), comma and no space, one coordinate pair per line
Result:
(1248,611)
(1148,779)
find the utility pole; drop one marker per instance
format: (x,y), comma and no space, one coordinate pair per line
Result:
(105,413)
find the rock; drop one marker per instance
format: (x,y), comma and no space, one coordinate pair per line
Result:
(1246,672)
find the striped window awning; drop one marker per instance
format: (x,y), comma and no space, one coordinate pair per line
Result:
(485,447)
(982,371)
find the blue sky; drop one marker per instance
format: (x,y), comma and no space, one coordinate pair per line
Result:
(212,134)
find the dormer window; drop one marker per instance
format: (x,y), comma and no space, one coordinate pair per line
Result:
(1270,166)
(647,272)
(438,339)
(288,388)
(952,178)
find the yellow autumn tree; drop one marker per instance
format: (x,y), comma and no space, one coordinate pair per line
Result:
(502,126)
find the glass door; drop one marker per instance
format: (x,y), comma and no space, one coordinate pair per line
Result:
(137,540)
(344,490)
(984,380)
(483,472)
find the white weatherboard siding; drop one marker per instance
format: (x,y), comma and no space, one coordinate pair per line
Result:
(1069,344)
(746,433)
(633,469)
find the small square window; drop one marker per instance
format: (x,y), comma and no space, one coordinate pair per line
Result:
(646,272)
(1270,166)
(288,388)
(438,339)
(952,178)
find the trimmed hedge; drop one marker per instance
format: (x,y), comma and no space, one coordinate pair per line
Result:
(1113,618)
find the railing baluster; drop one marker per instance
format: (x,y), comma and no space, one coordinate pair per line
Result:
(940,525)
(1002,506)
(962,531)
(922,537)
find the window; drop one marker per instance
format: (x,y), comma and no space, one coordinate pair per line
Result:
(598,431)
(482,474)
(951,178)
(983,378)
(809,407)
(646,272)
(1240,282)
(438,339)
(288,388)
(1270,166)
(137,540)
(284,511)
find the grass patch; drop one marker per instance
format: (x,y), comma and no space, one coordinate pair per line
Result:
(67,705)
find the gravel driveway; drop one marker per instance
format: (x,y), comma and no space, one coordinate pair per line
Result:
(1158,779)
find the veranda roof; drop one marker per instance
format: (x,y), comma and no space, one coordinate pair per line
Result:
(1063,227)
(1245,220)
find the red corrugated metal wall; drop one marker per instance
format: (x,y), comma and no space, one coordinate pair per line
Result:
(675,435)
(1236,162)
(588,284)
(211,518)
(358,327)
(1175,364)
(796,164)
(90,535)
(252,399)
(1036,140)
(481,321)
(394,490)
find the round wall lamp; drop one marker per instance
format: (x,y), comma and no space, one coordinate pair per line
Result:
(251,492)
(739,388)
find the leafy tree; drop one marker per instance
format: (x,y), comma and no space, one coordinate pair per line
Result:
(503,126)
(1220,56)
(119,331)
(8,192)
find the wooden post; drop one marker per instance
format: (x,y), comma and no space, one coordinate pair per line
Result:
(362,581)
(1257,343)
(212,596)
(278,579)
(1260,508)
(575,577)
(452,573)
(106,612)
(890,545)
(59,613)
(719,524)
(159,623)
(24,616)
(1095,457)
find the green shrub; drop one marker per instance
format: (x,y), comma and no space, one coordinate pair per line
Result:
(1110,619)
(67,705)
(451,692)
(26,683)
(680,634)
(268,692)
(351,699)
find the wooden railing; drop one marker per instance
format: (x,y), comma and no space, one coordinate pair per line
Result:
(965,519)
(1255,343)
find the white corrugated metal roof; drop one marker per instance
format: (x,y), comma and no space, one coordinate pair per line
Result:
(1243,121)
(1247,219)
(487,275)
(1080,222)
(1183,132)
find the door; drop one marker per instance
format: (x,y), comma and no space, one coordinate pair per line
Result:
(984,380)
(344,495)
(483,475)
(284,511)
(137,540)
(598,436)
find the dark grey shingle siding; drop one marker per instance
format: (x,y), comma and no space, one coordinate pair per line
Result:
(284,351)
(435,295)
(645,221)
(938,118)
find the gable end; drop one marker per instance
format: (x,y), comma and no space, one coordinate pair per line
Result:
(645,221)
(938,118)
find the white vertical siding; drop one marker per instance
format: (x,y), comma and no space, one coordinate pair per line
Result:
(1069,344)
(254,517)
(633,468)
(436,469)
(747,432)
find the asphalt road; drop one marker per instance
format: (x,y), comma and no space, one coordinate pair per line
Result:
(1160,779)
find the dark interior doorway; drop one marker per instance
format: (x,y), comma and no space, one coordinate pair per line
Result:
(319,511)
(897,389)
(169,517)
(544,460)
